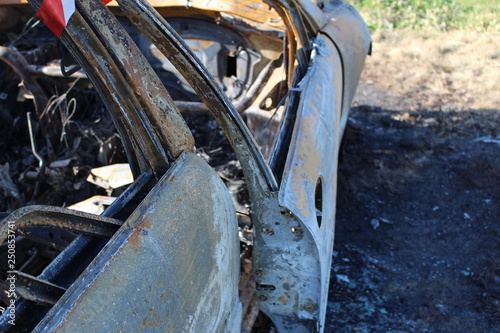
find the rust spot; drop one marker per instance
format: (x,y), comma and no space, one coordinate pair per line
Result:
(310,307)
(165,297)
(154,322)
(115,279)
(147,224)
(283,299)
(134,238)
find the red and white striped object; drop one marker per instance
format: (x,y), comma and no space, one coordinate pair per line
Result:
(55,14)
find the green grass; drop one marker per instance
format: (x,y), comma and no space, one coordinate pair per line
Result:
(443,15)
(480,14)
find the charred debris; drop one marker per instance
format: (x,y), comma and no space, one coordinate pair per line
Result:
(56,133)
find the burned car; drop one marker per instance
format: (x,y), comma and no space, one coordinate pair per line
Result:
(198,242)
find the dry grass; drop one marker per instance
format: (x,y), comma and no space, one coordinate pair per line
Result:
(437,71)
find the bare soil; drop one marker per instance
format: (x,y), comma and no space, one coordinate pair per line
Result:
(418,230)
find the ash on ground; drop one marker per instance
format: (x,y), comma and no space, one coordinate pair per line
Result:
(417,244)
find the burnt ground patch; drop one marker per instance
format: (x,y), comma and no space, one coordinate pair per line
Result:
(417,234)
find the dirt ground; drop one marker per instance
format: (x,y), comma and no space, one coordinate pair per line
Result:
(418,231)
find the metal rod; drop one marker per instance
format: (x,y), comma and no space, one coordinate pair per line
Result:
(37,290)
(41,162)
(72,251)
(149,21)
(59,218)
(157,104)
(54,71)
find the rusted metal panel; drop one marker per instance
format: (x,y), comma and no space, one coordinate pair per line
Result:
(315,140)
(173,266)
(292,251)
(286,267)
(310,10)
(308,188)
(351,36)
(252,10)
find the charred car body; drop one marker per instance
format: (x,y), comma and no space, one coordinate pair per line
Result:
(278,77)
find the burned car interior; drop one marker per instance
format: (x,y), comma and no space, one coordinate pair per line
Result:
(230,115)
